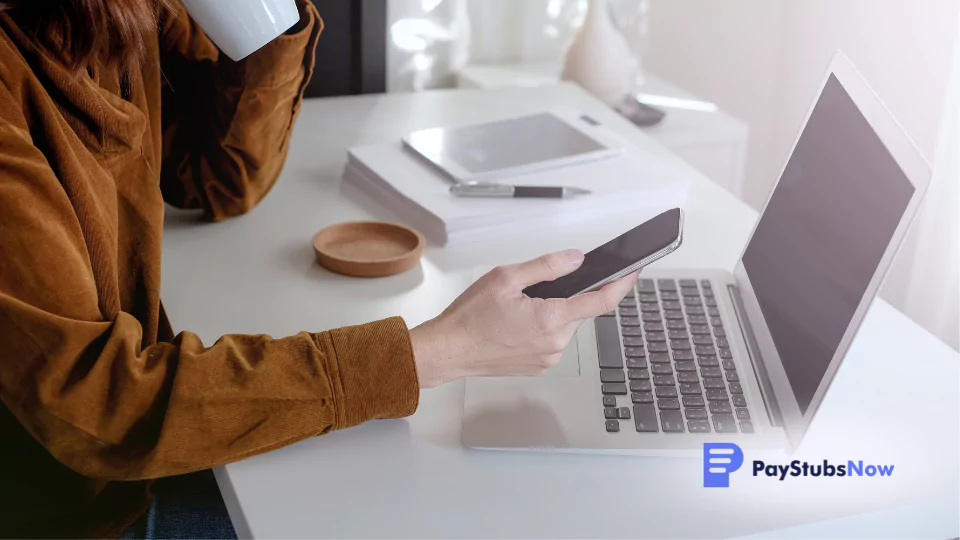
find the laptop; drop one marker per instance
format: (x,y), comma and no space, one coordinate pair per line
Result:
(696,353)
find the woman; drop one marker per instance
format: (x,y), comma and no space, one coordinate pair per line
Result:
(108,108)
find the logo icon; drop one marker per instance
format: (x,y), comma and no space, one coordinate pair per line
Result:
(719,460)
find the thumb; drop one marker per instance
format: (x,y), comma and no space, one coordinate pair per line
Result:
(546,267)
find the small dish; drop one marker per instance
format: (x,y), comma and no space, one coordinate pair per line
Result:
(368,248)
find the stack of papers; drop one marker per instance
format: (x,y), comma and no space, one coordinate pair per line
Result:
(419,195)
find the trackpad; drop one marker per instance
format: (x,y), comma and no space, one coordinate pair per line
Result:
(569,365)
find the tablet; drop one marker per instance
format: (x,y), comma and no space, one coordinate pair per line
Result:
(498,150)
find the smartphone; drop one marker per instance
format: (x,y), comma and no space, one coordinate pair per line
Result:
(617,258)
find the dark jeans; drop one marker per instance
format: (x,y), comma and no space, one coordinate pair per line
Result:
(187,506)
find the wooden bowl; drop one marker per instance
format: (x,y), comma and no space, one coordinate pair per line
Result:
(368,248)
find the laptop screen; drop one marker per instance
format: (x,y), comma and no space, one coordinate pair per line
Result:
(823,235)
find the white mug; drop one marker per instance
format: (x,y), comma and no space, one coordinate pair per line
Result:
(240,27)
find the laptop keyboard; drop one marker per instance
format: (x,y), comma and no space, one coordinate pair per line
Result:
(675,367)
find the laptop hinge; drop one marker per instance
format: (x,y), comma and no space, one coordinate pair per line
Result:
(756,361)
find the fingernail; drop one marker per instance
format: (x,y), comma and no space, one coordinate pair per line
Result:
(574,257)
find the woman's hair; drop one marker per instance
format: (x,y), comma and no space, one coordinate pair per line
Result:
(80,31)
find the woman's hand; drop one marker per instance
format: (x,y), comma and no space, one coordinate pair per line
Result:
(494,329)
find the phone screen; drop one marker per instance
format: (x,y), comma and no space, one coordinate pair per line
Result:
(618,254)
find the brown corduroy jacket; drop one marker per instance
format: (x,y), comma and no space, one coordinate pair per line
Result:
(96,395)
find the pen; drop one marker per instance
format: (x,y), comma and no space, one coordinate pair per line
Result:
(508,191)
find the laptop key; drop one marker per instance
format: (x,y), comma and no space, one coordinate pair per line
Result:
(661,369)
(610,412)
(632,331)
(682,355)
(698,426)
(715,321)
(608,343)
(694,310)
(649,307)
(672,421)
(648,297)
(713,312)
(633,342)
(722,342)
(699,329)
(728,364)
(611,375)
(720,407)
(671,304)
(641,386)
(687,282)
(711,373)
(609,401)
(743,414)
(725,353)
(629,321)
(695,413)
(669,295)
(746,426)
(717,394)
(687,366)
(628,312)
(641,397)
(666,392)
(659,358)
(713,383)
(705,350)
(666,285)
(705,283)
(719,332)
(656,337)
(650,317)
(612,426)
(645,418)
(689,291)
(708,361)
(646,286)
(636,363)
(635,352)
(657,347)
(700,339)
(691,300)
(724,423)
(669,404)
(674,314)
(663,380)
(678,333)
(613,389)
(628,302)
(739,401)
(732,376)
(710,301)
(687,377)
(624,413)
(638,374)
(676,324)
(696,319)
(693,401)
(735,388)
(690,389)
(653,327)
(680,344)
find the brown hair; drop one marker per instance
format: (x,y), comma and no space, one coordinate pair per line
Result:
(82,31)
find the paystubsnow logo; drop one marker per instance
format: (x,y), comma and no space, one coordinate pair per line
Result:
(721,459)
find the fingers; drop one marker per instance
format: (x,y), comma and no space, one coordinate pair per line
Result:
(596,303)
(545,268)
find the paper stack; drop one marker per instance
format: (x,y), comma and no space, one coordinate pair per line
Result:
(418,194)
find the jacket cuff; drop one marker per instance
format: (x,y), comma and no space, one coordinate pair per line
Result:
(372,371)
(289,56)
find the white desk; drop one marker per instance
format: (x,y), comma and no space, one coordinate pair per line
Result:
(413,478)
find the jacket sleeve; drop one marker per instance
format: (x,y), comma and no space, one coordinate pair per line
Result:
(83,386)
(226,124)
